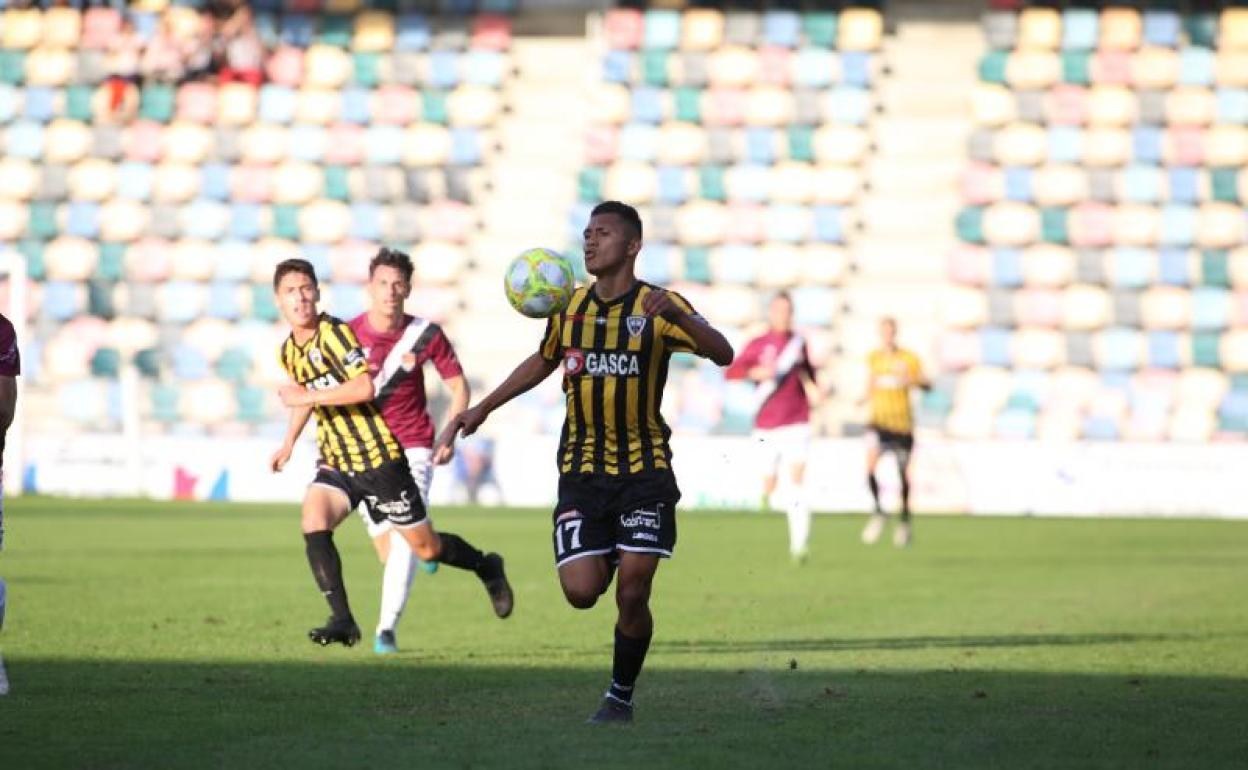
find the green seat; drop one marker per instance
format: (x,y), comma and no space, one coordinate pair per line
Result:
(156,103)
(12,67)
(654,67)
(1215,269)
(969,224)
(820,28)
(383,5)
(366,70)
(78,103)
(1224,184)
(263,303)
(1201,28)
(336,188)
(1076,67)
(992,66)
(434,107)
(1239,382)
(100,299)
(688,104)
(1233,423)
(698,264)
(147,361)
(112,263)
(42,222)
(251,404)
(234,364)
(164,403)
(286,222)
(106,363)
(1053,225)
(802,143)
(589,183)
(711,182)
(335,30)
(36,267)
(1205,350)
(938,402)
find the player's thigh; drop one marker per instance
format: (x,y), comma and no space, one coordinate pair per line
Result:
(582,545)
(583,580)
(420,463)
(872,439)
(325,504)
(767,452)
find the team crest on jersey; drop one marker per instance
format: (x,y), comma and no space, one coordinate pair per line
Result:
(314,355)
(636,325)
(573,361)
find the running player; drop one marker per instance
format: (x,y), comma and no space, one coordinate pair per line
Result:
(10,368)
(397,346)
(778,362)
(891,373)
(360,459)
(617,493)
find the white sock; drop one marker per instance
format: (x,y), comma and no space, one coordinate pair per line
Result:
(396,582)
(799,525)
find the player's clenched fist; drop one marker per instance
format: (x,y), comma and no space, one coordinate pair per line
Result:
(659,302)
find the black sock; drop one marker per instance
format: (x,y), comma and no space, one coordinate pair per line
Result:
(327,569)
(905,499)
(630,653)
(875,490)
(458,552)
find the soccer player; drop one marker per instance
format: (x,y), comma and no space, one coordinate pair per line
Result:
(10,368)
(397,346)
(360,459)
(891,373)
(778,362)
(617,493)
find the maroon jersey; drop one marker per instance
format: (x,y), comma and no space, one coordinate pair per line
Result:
(395,361)
(10,363)
(784,399)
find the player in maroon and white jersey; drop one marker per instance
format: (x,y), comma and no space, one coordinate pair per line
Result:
(398,346)
(10,368)
(778,363)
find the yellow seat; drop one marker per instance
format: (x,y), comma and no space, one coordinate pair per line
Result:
(62,27)
(1039,29)
(92,179)
(22,28)
(374,32)
(860,29)
(19,179)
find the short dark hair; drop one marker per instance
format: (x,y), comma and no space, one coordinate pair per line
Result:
(293,266)
(621,210)
(387,257)
(784,295)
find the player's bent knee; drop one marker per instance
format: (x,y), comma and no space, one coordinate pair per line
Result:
(580,598)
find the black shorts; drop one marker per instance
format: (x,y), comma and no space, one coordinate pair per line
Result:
(600,515)
(389,492)
(900,444)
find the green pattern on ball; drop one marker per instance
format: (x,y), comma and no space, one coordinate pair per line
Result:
(539,283)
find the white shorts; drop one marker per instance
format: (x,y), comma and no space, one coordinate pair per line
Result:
(420,460)
(785,445)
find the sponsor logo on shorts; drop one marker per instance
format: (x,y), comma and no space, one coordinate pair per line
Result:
(641,518)
(391,507)
(647,536)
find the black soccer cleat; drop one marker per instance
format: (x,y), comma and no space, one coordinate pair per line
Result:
(612,711)
(495,581)
(342,631)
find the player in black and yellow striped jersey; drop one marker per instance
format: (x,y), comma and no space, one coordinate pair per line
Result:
(360,459)
(617,492)
(891,374)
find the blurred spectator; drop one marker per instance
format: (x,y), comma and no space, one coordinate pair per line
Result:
(474,472)
(244,53)
(164,59)
(200,49)
(124,54)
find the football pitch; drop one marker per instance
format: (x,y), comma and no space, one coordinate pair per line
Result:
(171,635)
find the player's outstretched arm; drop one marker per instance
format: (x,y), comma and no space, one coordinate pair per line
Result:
(526,376)
(707,338)
(356,390)
(299,417)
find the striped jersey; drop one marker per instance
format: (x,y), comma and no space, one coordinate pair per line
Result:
(890,393)
(614,359)
(350,438)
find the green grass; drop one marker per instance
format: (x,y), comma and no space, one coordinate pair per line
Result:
(172,635)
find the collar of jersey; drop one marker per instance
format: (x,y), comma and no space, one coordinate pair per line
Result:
(320,318)
(593,294)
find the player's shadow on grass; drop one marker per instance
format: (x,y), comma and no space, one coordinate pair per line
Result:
(347,709)
(705,646)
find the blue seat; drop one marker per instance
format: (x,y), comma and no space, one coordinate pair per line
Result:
(994,346)
(245,222)
(814,306)
(856,68)
(224,301)
(80,401)
(638,141)
(1184,184)
(233,262)
(787,225)
(654,264)
(1178,225)
(760,145)
(1146,144)
(1131,268)
(782,28)
(1018,184)
(145,24)
(202,221)
(1100,428)
(647,105)
(62,300)
(181,301)
(365,221)
(298,29)
(672,184)
(1007,268)
(355,106)
(24,139)
(1173,267)
(737,264)
(83,219)
(1196,66)
(1161,27)
(215,181)
(412,32)
(829,226)
(1141,184)
(1029,390)
(306,142)
(812,68)
(1163,350)
(189,363)
(278,104)
(1015,424)
(134,181)
(1079,29)
(444,69)
(1065,144)
(1232,105)
(484,68)
(384,144)
(465,146)
(849,104)
(617,67)
(348,300)
(661,29)
(266,25)
(318,255)
(10,102)
(1234,407)
(749,183)
(1119,349)
(1211,308)
(40,104)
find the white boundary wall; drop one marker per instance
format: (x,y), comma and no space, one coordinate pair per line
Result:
(1083,479)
